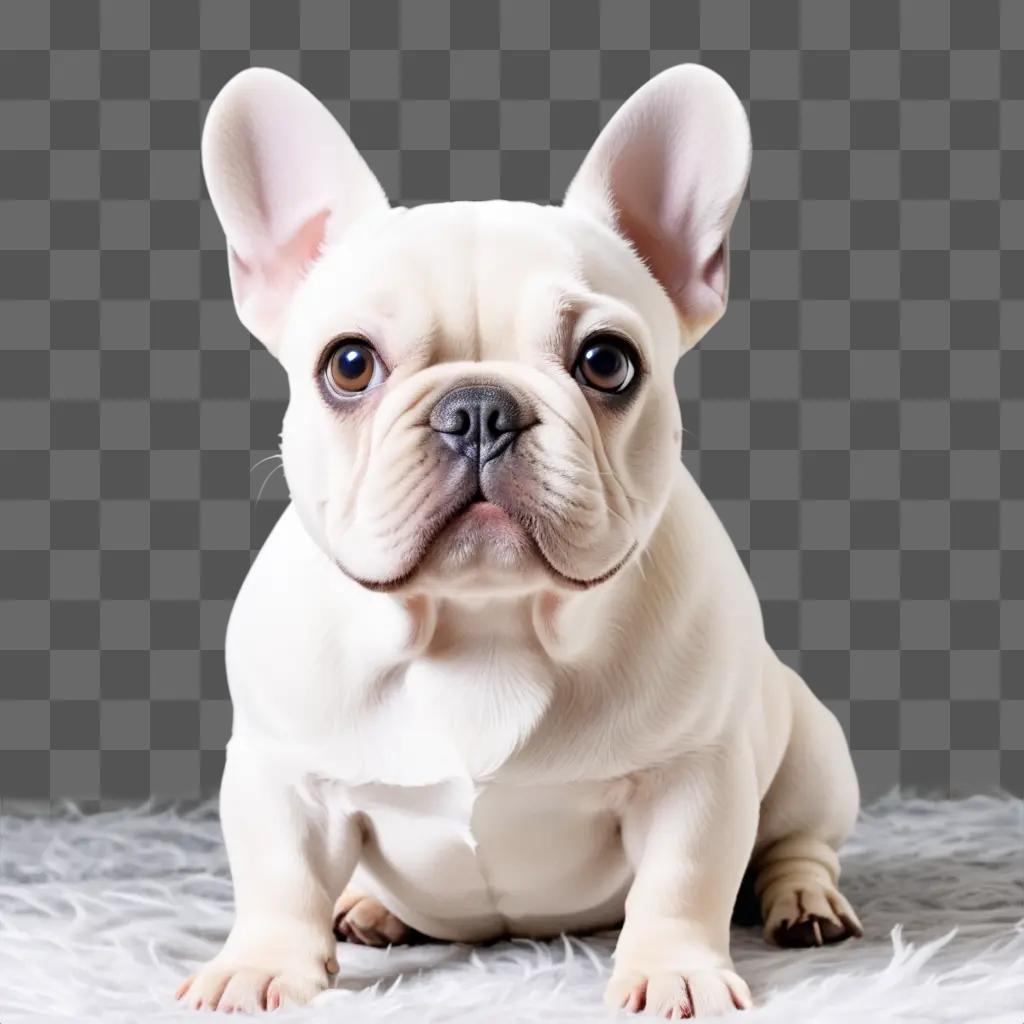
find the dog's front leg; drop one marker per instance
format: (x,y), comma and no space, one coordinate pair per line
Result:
(288,862)
(689,830)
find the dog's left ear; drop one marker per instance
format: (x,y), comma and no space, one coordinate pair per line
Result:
(667,173)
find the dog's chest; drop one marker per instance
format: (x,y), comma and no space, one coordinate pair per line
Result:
(465,861)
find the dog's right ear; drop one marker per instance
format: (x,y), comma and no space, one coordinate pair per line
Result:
(285,181)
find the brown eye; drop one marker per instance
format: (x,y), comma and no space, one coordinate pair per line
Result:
(606,363)
(352,367)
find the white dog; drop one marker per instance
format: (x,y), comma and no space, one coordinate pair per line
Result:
(499,657)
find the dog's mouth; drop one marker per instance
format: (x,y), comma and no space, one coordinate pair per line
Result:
(480,519)
(474,518)
(482,510)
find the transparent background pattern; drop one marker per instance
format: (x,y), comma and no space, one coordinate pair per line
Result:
(857,418)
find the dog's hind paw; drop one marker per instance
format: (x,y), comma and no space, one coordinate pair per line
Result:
(364,920)
(810,915)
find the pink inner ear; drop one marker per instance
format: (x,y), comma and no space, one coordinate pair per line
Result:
(281,173)
(666,210)
(280,271)
(666,237)
(715,272)
(668,171)
(667,258)
(296,256)
(669,251)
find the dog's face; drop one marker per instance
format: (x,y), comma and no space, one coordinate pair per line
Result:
(481,393)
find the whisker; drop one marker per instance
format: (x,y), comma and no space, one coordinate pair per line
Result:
(567,498)
(626,494)
(569,478)
(582,469)
(267,480)
(276,455)
(402,510)
(640,564)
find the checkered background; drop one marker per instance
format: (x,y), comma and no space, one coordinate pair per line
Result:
(857,418)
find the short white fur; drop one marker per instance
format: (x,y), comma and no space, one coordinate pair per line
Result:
(500,732)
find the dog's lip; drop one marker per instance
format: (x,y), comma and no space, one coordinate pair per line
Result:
(486,513)
(481,510)
(487,509)
(594,581)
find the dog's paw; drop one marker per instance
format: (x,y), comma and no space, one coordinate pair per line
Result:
(810,915)
(233,988)
(678,995)
(364,920)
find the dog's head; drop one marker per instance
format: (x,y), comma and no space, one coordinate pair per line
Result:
(481,393)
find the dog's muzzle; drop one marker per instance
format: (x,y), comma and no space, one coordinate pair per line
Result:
(479,422)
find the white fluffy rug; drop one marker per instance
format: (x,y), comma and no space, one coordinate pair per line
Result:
(101,916)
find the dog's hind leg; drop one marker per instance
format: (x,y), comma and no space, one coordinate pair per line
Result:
(810,807)
(364,920)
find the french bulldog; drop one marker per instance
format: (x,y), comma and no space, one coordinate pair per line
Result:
(498,669)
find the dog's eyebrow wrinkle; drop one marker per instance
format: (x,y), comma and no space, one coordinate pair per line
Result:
(544,314)
(568,306)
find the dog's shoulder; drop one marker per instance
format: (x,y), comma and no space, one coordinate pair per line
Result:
(298,625)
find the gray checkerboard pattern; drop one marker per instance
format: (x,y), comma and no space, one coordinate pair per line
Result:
(857,418)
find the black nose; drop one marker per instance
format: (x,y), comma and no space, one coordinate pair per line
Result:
(478,421)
